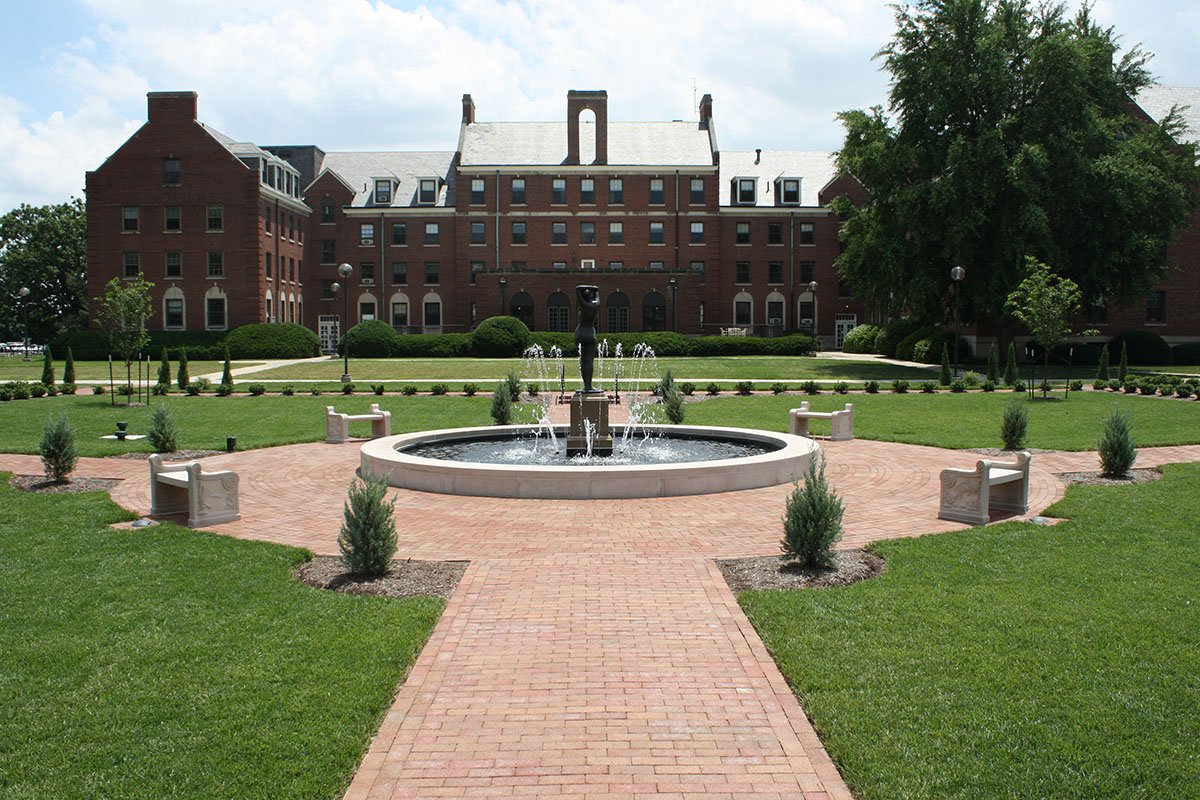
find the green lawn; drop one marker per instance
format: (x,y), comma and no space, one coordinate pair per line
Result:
(967,420)
(14,369)
(205,421)
(175,663)
(1012,661)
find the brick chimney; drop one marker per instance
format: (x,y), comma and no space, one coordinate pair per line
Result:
(171,107)
(468,117)
(577,101)
(705,111)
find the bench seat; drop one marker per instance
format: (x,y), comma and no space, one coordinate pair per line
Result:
(971,495)
(209,498)
(337,426)
(842,422)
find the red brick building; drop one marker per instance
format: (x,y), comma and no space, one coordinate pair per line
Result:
(678,234)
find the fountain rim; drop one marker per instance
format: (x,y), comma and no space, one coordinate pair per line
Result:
(600,481)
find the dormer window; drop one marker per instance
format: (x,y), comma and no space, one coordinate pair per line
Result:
(744,191)
(427,192)
(789,191)
(327,210)
(383,191)
(171,172)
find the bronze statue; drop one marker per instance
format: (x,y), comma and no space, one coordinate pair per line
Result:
(585,334)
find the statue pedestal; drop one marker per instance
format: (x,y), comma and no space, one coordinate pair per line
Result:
(591,408)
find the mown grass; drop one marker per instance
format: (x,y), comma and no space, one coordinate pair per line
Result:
(175,663)
(1012,661)
(12,368)
(206,421)
(967,420)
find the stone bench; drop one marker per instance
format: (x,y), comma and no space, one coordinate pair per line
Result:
(970,495)
(842,422)
(209,498)
(733,331)
(337,426)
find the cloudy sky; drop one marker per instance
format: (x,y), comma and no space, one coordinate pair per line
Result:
(369,74)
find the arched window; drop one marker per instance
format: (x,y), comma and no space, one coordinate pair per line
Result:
(743,310)
(174,318)
(431,310)
(654,312)
(399,308)
(618,313)
(216,310)
(588,130)
(269,307)
(558,313)
(366,307)
(291,307)
(776,305)
(521,307)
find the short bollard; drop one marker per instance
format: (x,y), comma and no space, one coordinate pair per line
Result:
(230,444)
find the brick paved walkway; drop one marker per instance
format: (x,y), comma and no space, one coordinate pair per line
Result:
(592,648)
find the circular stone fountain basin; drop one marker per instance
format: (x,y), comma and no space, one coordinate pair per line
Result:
(786,459)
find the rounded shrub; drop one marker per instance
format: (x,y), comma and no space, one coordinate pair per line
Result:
(904,348)
(372,338)
(1144,348)
(500,337)
(861,339)
(1014,425)
(892,333)
(273,340)
(1187,353)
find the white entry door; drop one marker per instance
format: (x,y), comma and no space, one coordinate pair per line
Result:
(843,324)
(328,330)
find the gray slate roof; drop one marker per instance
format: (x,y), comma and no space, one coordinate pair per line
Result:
(359,171)
(814,169)
(673,144)
(1157,101)
(239,149)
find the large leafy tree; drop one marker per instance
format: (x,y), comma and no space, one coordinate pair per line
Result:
(1013,136)
(44,249)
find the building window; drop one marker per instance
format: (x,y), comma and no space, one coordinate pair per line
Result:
(214,313)
(657,265)
(696,197)
(427,192)
(367,273)
(744,191)
(1095,312)
(790,193)
(518,191)
(559,265)
(654,312)
(366,233)
(808,271)
(656,233)
(366,310)
(399,273)
(616,191)
(432,233)
(173,265)
(171,172)
(171,219)
(477,197)
(807,233)
(216,264)
(327,211)
(431,272)
(616,233)
(587,191)
(518,233)
(844,289)
(558,313)
(267,220)
(399,233)
(399,314)
(656,192)
(587,233)
(742,233)
(558,233)
(130,219)
(267,264)
(477,233)
(216,218)
(476,268)
(327,256)
(383,191)
(743,272)
(696,233)
(131,265)
(618,313)
(774,233)
(1156,308)
(433,313)
(741,313)
(775,273)
(774,312)
(518,266)
(558,191)
(173,312)
(616,265)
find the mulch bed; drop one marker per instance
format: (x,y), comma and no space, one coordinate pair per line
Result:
(42,485)
(1096,479)
(771,572)
(406,578)
(178,455)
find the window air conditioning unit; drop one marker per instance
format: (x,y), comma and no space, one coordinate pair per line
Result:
(587,263)
(807,323)
(775,321)
(367,241)
(367,282)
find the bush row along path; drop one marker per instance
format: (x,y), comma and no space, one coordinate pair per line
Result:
(592,647)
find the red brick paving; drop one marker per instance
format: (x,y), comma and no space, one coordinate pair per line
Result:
(592,648)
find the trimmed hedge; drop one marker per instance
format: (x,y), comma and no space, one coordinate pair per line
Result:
(892,334)
(861,339)
(547,339)
(432,345)
(904,349)
(90,344)
(500,337)
(372,338)
(273,340)
(1145,349)
(795,344)
(1187,353)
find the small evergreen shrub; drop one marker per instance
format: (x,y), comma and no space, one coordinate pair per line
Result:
(688,388)
(59,450)
(1102,367)
(1129,386)
(69,369)
(1014,425)
(993,365)
(513,383)
(900,387)
(1018,386)
(347,388)
(929,387)
(164,430)
(182,380)
(1010,366)
(1076,385)
(68,388)
(367,539)
(315,391)
(97,389)
(256,389)
(37,390)
(224,389)
(470,389)
(273,340)
(502,404)
(871,387)
(47,368)
(532,388)
(1146,387)
(408,390)
(672,400)
(287,390)
(810,387)
(841,387)
(164,369)
(744,387)
(1100,385)
(779,388)
(1123,365)
(439,389)
(1117,452)
(52,391)
(713,389)
(972,379)
(194,388)
(227,372)
(377,389)
(159,390)
(1185,390)
(124,390)
(945,376)
(958,386)
(989,386)
(812,520)
(500,337)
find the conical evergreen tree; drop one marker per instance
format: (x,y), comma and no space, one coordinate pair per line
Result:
(69,369)
(48,368)
(1010,365)
(1102,369)
(164,370)
(993,367)
(227,373)
(182,378)
(1123,367)
(945,378)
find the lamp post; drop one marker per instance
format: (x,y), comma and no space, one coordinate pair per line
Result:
(957,274)
(503,293)
(334,288)
(344,270)
(672,286)
(812,288)
(23,292)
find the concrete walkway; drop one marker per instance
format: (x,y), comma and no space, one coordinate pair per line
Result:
(593,648)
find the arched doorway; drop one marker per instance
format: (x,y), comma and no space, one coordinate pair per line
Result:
(558,313)
(617,313)
(654,312)
(521,307)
